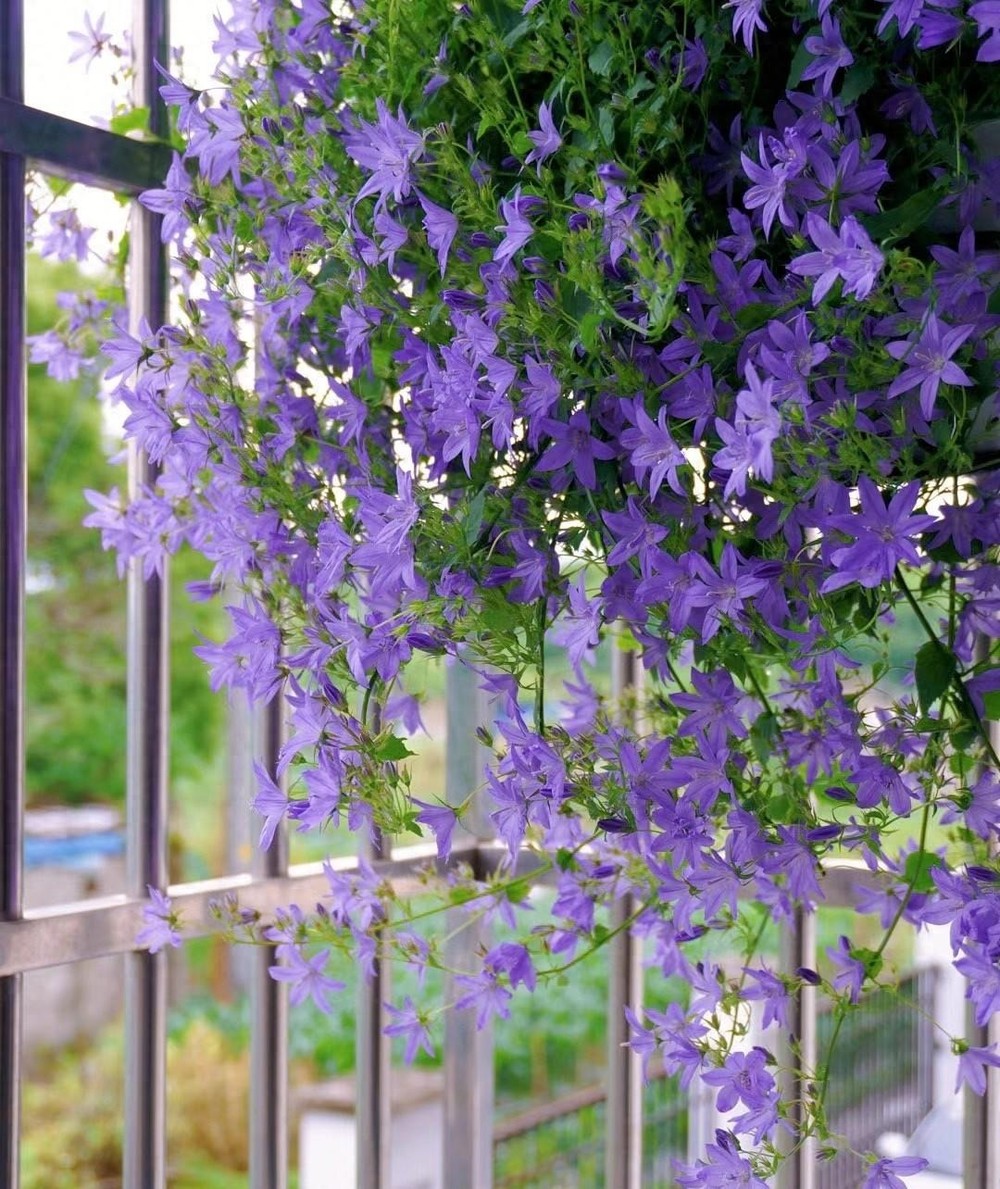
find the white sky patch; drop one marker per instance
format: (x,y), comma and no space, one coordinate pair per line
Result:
(87,93)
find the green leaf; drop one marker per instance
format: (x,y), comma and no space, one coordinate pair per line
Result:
(871,960)
(600,59)
(606,123)
(754,315)
(799,63)
(472,521)
(917,871)
(392,748)
(991,704)
(858,80)
(590,327)
(906,217)
(763,734)
(136,119)
(933,671)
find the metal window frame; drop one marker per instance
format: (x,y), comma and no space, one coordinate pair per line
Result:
(71,933)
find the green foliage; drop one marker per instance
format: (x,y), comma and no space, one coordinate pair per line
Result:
(75,610)
(81,1148)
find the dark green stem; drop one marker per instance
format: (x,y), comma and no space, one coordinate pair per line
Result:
(964,698)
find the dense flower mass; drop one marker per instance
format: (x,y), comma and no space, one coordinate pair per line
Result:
(516,323)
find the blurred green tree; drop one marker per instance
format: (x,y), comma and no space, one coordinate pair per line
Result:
(75,609)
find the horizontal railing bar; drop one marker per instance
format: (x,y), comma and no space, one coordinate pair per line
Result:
(62,934)
(81,152)
(568,1104)
(59,935)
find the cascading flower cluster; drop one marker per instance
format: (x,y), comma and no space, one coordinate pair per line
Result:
(510,323)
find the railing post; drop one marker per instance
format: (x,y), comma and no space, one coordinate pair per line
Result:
(148,696)
(268,998)
(797,1048)
(623,1120)
(981,1128)
(373,1108)
(12,566)
(468,1051)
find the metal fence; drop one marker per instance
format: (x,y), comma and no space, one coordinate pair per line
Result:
(77,932)
(562,1145)
(882,1072)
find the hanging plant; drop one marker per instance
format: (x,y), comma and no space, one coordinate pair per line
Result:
(508,324)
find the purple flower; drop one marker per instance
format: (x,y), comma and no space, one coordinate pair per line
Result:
(848,255)
(516,228)
(850,971)
(306,977)
(62,361)
(579,632)
(725,1167)
(440,819)
(642,1041)
(410,1023)
(829,55)
(92,41)
(742,1078)
(160,923)
(905,12)
(515,962)
(736,456)
(972,1063)
(392,237)
(66,238)
(714,709)
(938,28)
(746,19)
(441,227)
(692,61)
(573,446)
(883,536)
(983,976)
(217,145)
(634,534)
(986,14)
(773,993)
(618,213)
(908,102)
(882,1174)
(546,140)
(965,273)
(485,994)
(725,593)
(769,188)
(928,361)
(653,450)
(271,803)
(982,812)
(388,150)
(880,784)
(171,201)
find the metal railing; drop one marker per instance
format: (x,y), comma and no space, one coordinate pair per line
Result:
(882,1072)
(77,932)
(565,1143)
